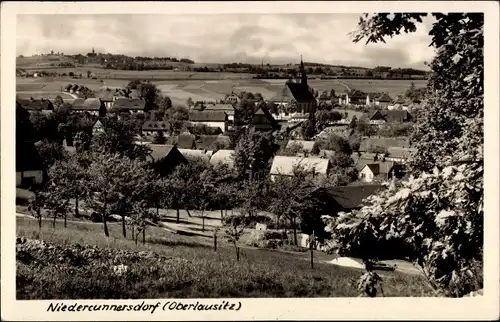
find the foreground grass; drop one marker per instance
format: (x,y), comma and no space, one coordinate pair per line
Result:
(189,268)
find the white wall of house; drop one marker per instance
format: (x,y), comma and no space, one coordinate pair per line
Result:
(366,174)
(377,122)
(36,174)
(221,125)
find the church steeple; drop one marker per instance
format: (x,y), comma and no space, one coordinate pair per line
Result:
(302,72)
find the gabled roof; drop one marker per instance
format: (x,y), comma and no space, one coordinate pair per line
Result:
(189,153)
(300,92)
(89,104)
(36,104)
(159,151)
(156,126)
(207,116)
(228,108)
(383,142)
(68,87)
(357,94)
(396,115)
(223,157)
(399,100)
(352,196)
(284,165)
(129,104)
(377,115)
(384,98)
(380,167)
(28,157)
(306,145)
(204,142)
(374,168)
(397,152)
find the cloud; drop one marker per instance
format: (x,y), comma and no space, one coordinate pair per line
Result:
(221,38)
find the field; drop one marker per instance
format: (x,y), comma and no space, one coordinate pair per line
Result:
(179,86)
(190,268)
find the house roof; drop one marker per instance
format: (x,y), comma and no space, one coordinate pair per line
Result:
(189,153)
(384,98)
(223,157)
(129,104)
(399,100)
(28,157)
(352,196)
(357,94)
(186,141)
(68,87)
(159,151)
(156,126)
(207,116)
(284,165)
(306,145)
(35,104)
(228,108)
(300,92)
(398,152)
(380,167)
(89,104)
(383,142)
(396,115)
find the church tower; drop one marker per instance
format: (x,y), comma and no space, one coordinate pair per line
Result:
(301,76)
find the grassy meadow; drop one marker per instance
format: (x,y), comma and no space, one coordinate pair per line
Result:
(182,267)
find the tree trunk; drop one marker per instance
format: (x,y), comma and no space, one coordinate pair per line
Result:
(106,232)
(77,213)
(311,246)
(221,214)
(189,214)
(294,232)
(39,214)
(54,222)
(65,221)
(215,243)
(124,228)
(202,221)
(178,216)
(158,212)
(144,235)
(237,253)
(133,231)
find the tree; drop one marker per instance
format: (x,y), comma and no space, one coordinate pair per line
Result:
(354,122)
(253,153)
(234,231)
(336,143)
(364,127)
(50,152)
(159,138)
(315,149)
(411,91)
(437,215)
(189,102)
(291,149)
(164,103)
(308,128)
(56,202)
(58,101)
(149,93)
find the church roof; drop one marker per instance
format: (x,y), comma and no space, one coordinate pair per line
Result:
(300,92)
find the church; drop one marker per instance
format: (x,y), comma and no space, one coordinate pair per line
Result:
(296,96)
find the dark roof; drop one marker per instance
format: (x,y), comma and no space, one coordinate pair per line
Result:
(159,151)
(374,167)
(205,142)
(68,87)
(207,116)
(220,107)
(300,92)
(156,126)
(377,115)
(399,100)
(89,104)
(186,141)
(396,115)
(36,104)
(384,98)
(357,94)
(351,197)
(366,143)
(129,104)
(27,157)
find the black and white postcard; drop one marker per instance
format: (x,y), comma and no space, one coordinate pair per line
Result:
(250,160)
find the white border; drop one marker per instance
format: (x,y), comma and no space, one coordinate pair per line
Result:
(485,307)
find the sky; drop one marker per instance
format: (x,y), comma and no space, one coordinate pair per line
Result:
(247,38)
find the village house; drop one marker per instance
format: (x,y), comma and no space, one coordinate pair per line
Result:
(232,99)
(129,105)
(155,127)
(223,157)
(30,169)
(285,166)
(296,96)
(396,104)
(307,146)
(383,100)
(370,143)
(398,154)
(93,106)
(350,197)
(107,97)
(262,120)
(40,105)
(191,154)
(395,116)
(165,158)
(97,128)
(186,141)
(209,118)
(381,171)
(227,108)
